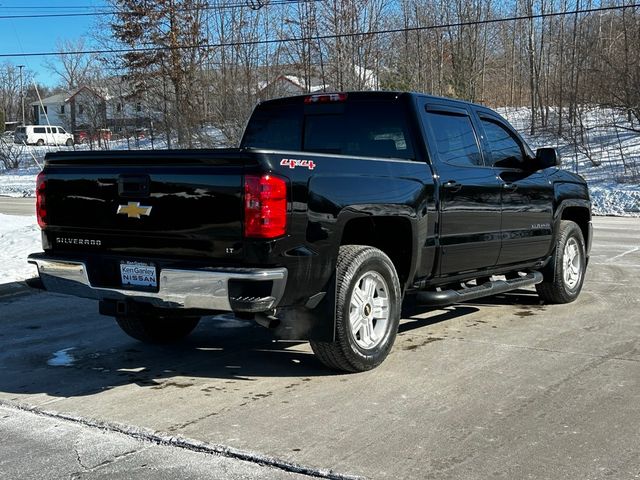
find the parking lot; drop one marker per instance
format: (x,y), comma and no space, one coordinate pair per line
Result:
(503,387)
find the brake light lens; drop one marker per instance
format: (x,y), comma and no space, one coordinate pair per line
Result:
(265,206)
(326,98)
(41,205)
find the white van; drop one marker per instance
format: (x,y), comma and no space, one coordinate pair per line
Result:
(42,135)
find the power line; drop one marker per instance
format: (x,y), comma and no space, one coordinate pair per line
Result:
(324,37)
(99,12)
(50,7)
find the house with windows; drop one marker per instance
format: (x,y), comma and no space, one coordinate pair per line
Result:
(72,110)
(88,108)
(53,110)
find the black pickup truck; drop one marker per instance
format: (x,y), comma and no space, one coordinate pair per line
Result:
(333,210)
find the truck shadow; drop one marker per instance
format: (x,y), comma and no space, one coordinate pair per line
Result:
(419,316)
(61,347)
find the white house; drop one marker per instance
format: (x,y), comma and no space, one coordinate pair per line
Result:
(285,85)
(88,107)
(54,110)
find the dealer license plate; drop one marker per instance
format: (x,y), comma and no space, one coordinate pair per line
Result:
(138,274)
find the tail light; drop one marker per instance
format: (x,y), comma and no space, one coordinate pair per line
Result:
(41,205)
(265,206)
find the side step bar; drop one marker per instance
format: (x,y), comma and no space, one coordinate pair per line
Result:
(448,297)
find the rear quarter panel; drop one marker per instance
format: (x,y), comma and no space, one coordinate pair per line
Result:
(329,191)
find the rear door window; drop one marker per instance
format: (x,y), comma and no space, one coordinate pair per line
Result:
(455,138)
(39,130)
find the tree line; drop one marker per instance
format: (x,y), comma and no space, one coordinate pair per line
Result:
(209,62)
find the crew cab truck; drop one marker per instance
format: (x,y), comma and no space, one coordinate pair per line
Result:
(333,210)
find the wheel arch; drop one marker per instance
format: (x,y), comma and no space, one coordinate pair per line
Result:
(579,212)
(391,234)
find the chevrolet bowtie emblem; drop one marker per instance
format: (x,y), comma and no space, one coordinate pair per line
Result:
(133,210)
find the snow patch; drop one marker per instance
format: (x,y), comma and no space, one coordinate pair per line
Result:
(61,358)
(615,199)
(19,237)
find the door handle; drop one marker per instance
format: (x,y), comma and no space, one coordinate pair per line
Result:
(510,187)
(452,185)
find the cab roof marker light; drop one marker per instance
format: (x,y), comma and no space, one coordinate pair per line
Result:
(326,98)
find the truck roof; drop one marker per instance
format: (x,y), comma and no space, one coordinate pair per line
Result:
(378,94)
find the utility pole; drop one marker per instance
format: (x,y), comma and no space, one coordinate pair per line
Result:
(22,93)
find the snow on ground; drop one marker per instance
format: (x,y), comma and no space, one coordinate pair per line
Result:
(19,237)
(609,158)
(21,182)
(18,183)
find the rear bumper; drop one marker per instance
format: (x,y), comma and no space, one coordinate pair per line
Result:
(193,289)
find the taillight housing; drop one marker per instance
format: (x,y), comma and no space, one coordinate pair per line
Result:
(265,206)
(41,204)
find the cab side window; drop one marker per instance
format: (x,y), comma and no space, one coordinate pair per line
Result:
(455,138)
(506,151)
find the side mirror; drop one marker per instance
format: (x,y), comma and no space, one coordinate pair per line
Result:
(547,157)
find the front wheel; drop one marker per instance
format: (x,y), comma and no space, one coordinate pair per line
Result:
(69,142)
(157,329)
(368,304)
(564,276)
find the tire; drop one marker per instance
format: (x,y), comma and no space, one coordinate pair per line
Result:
(564,275)
(40,143)
(69,142)
(368,305)
(156,329)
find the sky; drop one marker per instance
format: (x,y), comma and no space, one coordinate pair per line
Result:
(28,35)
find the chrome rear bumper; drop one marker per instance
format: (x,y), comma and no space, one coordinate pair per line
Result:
(201,289)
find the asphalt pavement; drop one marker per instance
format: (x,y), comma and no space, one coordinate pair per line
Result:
(17,206)
(505,387)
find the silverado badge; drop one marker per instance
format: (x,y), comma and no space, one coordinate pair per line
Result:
(133,210)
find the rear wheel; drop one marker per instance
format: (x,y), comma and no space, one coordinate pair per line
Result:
(157,329)
(368,305)
(564,275)
(40,142)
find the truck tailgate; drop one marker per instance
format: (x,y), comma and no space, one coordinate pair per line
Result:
(159,203)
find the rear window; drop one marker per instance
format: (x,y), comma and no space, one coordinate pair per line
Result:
(21,130)
(277,128)
(359,128)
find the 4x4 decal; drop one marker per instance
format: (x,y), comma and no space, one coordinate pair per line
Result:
(293,163)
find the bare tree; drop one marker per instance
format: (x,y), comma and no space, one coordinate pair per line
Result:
(11,154)
(73,70)
(10,90)
(175,28)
